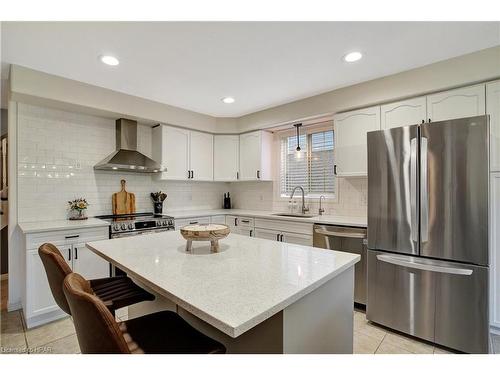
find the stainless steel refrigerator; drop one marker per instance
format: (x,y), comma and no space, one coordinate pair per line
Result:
(428,231)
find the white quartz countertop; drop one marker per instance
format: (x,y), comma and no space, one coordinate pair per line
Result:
(248,281)
(323,219)
(51,225)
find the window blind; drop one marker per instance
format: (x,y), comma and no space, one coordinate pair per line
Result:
(312,167)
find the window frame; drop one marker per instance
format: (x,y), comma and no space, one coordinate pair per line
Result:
(317,128)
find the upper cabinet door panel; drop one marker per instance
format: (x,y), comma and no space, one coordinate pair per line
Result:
(226,157)
(403,113)
(172,151)
(250,155)
(201,156)
(493,109)
(350,140)
(453,104)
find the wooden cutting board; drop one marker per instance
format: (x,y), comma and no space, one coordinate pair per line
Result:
(123,202)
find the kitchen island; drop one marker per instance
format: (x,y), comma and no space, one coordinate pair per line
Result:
(254,295)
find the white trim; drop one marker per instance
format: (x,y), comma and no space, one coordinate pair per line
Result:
(495,330)
(14,306)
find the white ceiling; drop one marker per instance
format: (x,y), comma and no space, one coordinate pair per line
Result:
(193,65)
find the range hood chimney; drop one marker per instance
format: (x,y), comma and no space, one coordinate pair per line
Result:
(126,157)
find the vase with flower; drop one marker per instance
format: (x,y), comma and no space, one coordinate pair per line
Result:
(78,209)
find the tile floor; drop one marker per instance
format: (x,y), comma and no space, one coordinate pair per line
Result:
(59,337)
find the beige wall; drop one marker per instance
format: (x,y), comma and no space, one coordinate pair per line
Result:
(460,71)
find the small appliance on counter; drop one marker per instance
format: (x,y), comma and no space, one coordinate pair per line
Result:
(158,199)
(227,201)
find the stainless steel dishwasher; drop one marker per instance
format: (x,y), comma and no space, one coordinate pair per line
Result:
(350,240)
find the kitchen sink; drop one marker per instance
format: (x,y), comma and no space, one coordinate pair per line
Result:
(294,215)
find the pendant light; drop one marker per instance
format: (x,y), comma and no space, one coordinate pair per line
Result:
(297,126)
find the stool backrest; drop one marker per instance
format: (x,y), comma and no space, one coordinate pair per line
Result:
(95,326)
(56,269)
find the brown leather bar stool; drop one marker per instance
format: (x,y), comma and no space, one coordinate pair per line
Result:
(163,332)
(116,292)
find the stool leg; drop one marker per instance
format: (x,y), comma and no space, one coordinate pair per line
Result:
(189,244)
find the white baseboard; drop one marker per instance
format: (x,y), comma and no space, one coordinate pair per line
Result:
(495,330)
(14,306)
(4,276)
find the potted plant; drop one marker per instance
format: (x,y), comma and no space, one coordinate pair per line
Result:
(78,208)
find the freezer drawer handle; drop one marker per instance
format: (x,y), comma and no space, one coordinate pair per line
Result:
(340,234)
(424,267)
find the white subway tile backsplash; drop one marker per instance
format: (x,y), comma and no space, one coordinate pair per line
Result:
(57,151)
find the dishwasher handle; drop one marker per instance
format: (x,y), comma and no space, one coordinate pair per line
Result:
(339,234)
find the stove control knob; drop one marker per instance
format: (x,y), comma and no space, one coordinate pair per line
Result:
(130,226)
(170,222)
(165,223)
(124,226)
(116,227)
(158,223)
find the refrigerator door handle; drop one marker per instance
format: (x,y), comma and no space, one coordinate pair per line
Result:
(399,261)
(424,195)
(413,190)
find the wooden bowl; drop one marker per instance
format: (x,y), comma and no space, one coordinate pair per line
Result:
(210,232)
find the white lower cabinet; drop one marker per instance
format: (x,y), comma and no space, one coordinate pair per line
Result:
(218,219)
(39,306)
(284,231)
(179,223)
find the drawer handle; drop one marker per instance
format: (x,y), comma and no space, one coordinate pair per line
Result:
(73,236)
(193,222)
(245,221)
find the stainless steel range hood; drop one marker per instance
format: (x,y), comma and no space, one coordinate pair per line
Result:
(126,157)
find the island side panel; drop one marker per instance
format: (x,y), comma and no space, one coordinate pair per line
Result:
(264,338)
(322,321)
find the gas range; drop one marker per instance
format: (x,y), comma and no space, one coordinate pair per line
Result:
(138,223)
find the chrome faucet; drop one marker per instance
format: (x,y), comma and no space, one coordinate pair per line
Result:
(304,208)
(321,210)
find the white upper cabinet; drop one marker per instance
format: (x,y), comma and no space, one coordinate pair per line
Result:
(453,104)
(407,112)
(493,109)
(350,140)
(171,150)
(255,156)
(201,149)
(186,154)
(226,157)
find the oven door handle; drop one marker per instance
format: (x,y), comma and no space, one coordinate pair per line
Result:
(340,234)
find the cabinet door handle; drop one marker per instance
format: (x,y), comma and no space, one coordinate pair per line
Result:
(281,238)
(235,221)
(258,174)
(192,174)
(69,253)
(237,175)
(429,121)
(335,169)
(278,237)
(189,174)
(76,253)
(251,232)
(74,236)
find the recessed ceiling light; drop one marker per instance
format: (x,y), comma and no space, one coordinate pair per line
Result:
(353,56)
(228,100)
(109,60)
